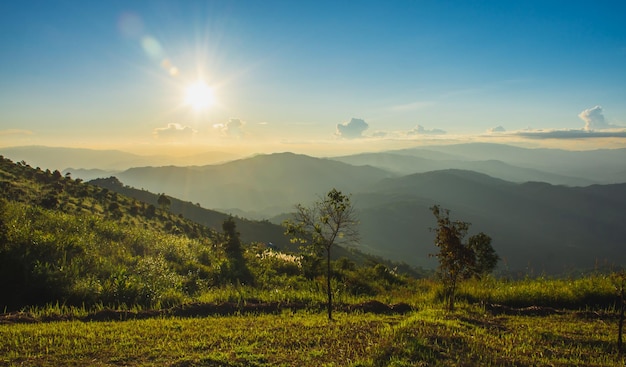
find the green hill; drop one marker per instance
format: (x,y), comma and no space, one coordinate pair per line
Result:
(63,240)
(251,231)
(70,242)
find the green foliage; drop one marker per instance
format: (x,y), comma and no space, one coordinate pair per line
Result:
(164,202)
(52,256)
(485,257)
(234,269)
(62,240)
(232,243)
(594,291)
(457,260)
(329,221)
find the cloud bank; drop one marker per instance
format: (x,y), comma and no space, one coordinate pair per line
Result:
(497,129)
(420,130)
(596,126)
(353,129)
(174,131)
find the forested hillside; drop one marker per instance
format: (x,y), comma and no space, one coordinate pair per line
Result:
(251,231)
(66,241)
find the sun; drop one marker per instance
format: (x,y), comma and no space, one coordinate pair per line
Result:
(199,96)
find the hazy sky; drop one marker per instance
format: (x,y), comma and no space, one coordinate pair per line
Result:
(311,76)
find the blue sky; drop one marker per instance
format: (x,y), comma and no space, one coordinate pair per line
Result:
(315,77)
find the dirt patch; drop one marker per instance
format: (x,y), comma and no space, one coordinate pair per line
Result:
(118,315)
(17,317)
(496,309)
(209,309)
(379,307)
(402,308)
(596,315)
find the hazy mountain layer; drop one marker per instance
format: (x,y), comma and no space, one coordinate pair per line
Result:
(80,162)
(534,226)
(270,183)
(596,166)
(407,164)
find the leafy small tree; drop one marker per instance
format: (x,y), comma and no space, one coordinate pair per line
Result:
(164,202)
(150,211)
(486,258)
(238,270)
(458,260)
(329,221)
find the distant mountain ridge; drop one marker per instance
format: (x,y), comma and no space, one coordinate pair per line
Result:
(408,164)
(603,166)
(555,166)
(273,183)
(80,161)
(547,228)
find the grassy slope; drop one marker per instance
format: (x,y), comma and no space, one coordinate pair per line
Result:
(430,337)
(471,336)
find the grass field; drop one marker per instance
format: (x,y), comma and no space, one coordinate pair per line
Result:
(429,337)
(572,323)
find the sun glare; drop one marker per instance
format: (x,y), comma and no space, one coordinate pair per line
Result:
(199,96)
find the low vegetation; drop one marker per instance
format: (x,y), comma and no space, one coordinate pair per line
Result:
(470,336)
(97,278)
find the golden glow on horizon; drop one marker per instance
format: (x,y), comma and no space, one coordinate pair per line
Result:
(199,96)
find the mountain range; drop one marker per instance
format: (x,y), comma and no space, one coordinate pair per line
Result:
(516,164)
(90,163)
(547,210)
(535,227)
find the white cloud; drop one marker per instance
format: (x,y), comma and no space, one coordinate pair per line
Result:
(233,128)
(596,126)
(594,119)
(497,129)
(174,131)
(420,130)
(353,129)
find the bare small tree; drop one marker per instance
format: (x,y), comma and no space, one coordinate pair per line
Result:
(329,221)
